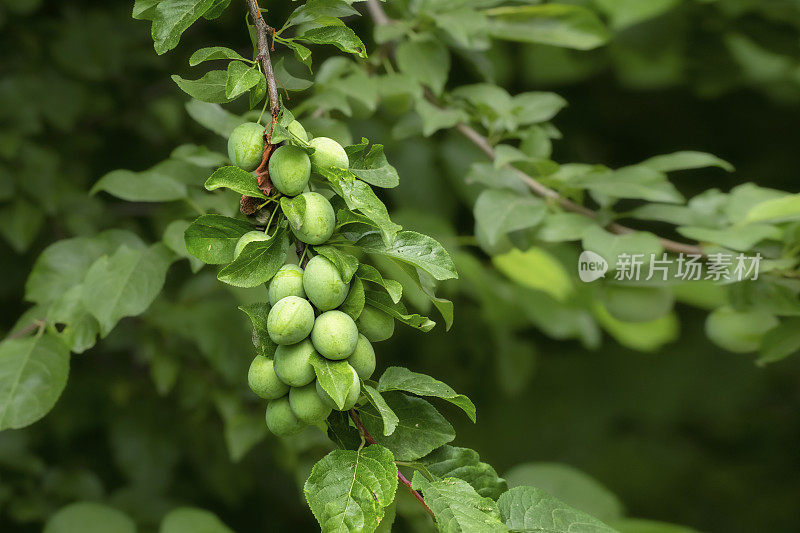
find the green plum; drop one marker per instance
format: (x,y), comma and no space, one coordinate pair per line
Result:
(334,335)
(317,219)
(288,281)
(375,324)
(246,145)
(363,358)
(307,405)
(290,320)
(289,169)
(247,238)
(297,129)
(328,153)
(281,420)
(294,363)
(352,396)
(264,381)
(323,284)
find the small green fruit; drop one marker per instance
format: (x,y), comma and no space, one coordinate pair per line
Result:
(323,284)
(247,238)
(335,335)
(293,363)
(328,153)
(375,324)
(281,420)
(264,381)
(289,169)
(290,320)
(318,220)
(297,129)
(307,405)
(352,396)
(246,146)
(363,358)
(288,281)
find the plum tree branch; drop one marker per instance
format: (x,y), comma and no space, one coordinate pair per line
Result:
(380,18)
(263,32)
(403,479)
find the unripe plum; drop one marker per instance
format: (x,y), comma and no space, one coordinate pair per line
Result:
(246,145)
(247,238)
(264,381)
(307,405)
(289,169)
(297,130)
(363,358)
(288,281)
(323,284)
(318,220)
(281,420)
(293,363)
(335,335)
(328,153)
(352,396)
(290,320)
(375,324)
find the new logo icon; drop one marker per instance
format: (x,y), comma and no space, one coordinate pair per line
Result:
(591,266)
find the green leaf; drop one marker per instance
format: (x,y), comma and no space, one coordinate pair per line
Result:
(348,490)
(611,246)
(499,211)
(286,80)
(536,107)
(390,419)
(89,517)
(213,117)
(371,274)
(212,238)
(211,53)
(241,78)
(210,88)
(125,284)
(20,223)
(686,160)
(457,507)
(258,312)
(173,239)
(235,179)
(216,10)
(780,342)
(199,156)
(192,520)
(171,18)
(426,61)
(257,262)
(784,209)
(397,378)
(624,13)
(80,327)
(435,118)
(345,263)
(636,181)
(294,209)
(335,377)
(354,303)
(420,430)
(531,509)
(151,185)
(342,37)
(415,249)
(313,10)
(563,25)
(465,464)
(33,373)
(398,311)
(371,165)
(569,485)
(243,429)
(537,269)
(741,238)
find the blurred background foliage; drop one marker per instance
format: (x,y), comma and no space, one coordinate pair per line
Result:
(157,416)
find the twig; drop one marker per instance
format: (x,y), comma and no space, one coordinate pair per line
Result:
(380,18)
(262,36)
(403,479)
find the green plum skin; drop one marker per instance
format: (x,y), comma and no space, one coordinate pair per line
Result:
(323,284)
(363,358)
(319,220)
(246,146)
(289,169)
(327,154)
(374,324)
(281,420)
(307,405)
(297,129)
(247,238)
(290,320)
(264,381)
(352,396)
(288,281)
(293,363)
(335,335)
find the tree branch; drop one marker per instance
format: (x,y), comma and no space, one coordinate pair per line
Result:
(380,18)
(263,32)
(403,479)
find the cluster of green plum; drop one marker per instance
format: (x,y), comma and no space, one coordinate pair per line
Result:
(303,320)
